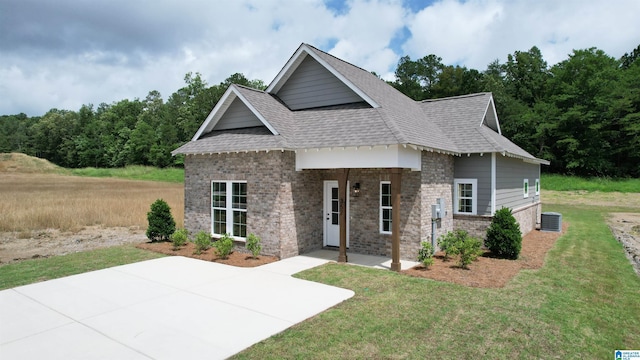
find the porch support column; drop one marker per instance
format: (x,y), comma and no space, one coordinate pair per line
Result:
(396,180)
(343,192)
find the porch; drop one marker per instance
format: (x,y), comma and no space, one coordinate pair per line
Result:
(376,262)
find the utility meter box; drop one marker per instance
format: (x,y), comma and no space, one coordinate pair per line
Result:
(443,208)
(435,212)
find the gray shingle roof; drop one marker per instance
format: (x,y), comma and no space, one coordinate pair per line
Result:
(453,125)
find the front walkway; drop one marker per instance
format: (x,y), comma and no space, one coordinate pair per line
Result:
(378,262)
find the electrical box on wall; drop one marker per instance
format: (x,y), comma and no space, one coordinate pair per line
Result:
(435,212)
(443,208)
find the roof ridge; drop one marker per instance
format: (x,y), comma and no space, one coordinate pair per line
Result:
(335,57)
(456,97)
(248,88)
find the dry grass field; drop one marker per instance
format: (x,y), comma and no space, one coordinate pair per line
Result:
(36,201)
(38,195)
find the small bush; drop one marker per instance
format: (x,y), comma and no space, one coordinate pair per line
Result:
(224,246)
(202,242)
(179,238)
(459,243)
(161,223)
(253,244)
(503,235)
(450,241)
(469,251)
(425,254)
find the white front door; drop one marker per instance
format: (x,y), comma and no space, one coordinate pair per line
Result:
(331,214)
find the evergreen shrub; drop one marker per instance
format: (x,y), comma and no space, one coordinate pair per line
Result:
(503,235)
(161,222)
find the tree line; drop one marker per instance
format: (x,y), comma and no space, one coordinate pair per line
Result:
(582,114)
(127,132)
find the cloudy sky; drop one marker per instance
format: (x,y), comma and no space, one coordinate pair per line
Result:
(65,53)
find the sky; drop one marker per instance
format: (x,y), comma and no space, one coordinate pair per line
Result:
(67,53)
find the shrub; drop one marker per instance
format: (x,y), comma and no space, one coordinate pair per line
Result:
(425,254)
(459,243)
(202,242)
(179,238)
(469,251)
(253,244)
(503,235)
(161,223)
(450,241)
(224,246)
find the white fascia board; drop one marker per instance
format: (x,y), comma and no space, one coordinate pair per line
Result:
(255,112)
(491,107)
(287,70)
(392,156)
(297,58)
(351,86)
(221,107)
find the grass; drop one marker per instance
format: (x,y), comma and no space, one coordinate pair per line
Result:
(42,201)
(30,271)
(573,183)
(147,173)
(582,304)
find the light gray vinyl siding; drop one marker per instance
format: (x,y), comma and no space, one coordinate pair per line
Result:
(311,86)
(510,175)
(237,116)
(476,167)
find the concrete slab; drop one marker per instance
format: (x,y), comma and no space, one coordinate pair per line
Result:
(166,308)
(378,262)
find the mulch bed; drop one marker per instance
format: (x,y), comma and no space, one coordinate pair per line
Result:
(485,272)
(236,258)
(489,272)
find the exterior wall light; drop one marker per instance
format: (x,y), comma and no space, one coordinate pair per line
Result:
(356,190)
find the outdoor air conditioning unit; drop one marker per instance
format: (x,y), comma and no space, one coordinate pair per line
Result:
(551,221)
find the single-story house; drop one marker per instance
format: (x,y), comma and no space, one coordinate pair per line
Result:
(329,155)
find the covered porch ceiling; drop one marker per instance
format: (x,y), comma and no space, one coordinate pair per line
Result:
(360,157)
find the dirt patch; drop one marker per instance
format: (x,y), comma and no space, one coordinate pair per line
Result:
(488,272)
(16,246)
(236,258)
(626,228)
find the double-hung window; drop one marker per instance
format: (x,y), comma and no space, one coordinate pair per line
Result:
(229,208)
(537,187)
(465,196)
(525,188)
(385,207)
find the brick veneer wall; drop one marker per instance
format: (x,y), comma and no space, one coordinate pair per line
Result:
(527,217)
(285,206)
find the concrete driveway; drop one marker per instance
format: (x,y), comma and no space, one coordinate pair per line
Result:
(168,308)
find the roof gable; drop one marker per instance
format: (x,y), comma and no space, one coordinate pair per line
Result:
(297,60)
(240,115)
(311,85)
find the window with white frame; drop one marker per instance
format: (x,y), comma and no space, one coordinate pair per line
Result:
(465,196)
(385,207)
(537,187)
(525,188)
(229,208)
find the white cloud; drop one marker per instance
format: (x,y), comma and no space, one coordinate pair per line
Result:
(476,32)
(67,54)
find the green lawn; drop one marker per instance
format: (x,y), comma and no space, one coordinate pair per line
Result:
(574,183)
(583,304)
(134,172)
(30,271)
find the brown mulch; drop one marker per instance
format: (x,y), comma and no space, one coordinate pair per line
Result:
(236,258)
(488,272)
